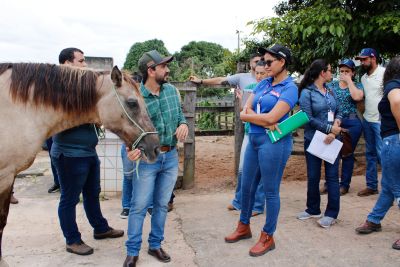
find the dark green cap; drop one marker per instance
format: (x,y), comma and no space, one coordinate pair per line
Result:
(152,59)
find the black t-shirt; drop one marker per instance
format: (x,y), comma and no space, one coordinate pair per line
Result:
(388,122)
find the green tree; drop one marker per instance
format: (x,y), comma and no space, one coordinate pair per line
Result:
(137,50)
(203,59)
(333,29)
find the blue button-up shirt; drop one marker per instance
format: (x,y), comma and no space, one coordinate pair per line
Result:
(317,106)
(267,95)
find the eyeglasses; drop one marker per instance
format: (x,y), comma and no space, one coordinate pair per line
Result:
(269,62)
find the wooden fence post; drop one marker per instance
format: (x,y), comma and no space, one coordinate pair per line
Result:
(239,130)
(189,111)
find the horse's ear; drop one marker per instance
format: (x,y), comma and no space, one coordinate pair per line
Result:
(116,76)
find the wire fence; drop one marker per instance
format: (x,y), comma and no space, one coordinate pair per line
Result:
(111,173)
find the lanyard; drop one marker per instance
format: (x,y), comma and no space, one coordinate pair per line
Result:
(328,101)
(266,91)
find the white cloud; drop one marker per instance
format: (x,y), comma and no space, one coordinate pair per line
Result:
(36,31)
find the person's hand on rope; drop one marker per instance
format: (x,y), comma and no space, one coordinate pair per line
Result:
(133,155)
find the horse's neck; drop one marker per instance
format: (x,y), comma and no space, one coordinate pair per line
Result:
(61,121)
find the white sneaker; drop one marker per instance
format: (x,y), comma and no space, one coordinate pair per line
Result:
(326,221)
(305,215)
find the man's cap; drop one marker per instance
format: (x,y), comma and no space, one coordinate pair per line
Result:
(152,59)
(348,63)
(367,52)
(278,50)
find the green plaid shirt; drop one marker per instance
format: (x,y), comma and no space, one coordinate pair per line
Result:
(165,112)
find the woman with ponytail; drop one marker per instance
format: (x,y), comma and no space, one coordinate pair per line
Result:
(318,101)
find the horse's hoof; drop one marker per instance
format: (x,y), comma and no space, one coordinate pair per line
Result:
(3,263)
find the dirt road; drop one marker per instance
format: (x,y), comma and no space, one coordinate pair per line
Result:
(197,226)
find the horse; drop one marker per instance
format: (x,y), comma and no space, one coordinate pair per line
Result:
(38,100)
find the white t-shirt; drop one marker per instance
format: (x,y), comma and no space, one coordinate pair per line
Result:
(373,90)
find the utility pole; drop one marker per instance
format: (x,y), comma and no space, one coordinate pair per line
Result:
(238,40)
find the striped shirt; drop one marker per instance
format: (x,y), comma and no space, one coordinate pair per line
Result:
(165,112)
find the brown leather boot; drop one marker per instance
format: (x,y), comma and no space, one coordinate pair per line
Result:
(242,232)
(264,244)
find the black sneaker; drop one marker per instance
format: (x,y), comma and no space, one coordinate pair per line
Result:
(124,214)
(54,188)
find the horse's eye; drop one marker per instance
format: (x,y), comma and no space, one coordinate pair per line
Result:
(132,103)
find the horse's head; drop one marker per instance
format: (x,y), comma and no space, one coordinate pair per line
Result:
(123,111)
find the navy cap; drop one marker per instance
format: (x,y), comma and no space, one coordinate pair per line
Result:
(277,50)
(348,63)
(152,59)
(367,52)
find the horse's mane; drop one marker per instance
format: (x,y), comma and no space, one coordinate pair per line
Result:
(71,90)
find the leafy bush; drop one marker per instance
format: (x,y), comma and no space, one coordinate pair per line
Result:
(207,120)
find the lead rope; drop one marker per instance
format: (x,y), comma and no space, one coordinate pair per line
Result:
(141,136)
(101,135)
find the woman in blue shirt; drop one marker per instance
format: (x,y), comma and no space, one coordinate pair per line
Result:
(347,93)
(318,101)
(270,103)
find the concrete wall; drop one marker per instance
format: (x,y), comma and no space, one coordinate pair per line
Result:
(100,63)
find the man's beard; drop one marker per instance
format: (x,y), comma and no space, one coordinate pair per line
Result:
(366,67)
(161,80)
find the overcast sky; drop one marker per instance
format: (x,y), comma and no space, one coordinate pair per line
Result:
(37,30)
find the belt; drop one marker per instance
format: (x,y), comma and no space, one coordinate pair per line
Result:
(165,149)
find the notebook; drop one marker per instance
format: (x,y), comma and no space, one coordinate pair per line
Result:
(288,125)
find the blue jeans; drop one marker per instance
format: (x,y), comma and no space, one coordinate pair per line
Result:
(79,175)
(49,143)
(266,161)
(373,146)
(153,186)
(128,168)
(390,178)
(355,128)
(332,183)
(259,201)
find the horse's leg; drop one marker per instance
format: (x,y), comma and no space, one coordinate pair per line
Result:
(6,184)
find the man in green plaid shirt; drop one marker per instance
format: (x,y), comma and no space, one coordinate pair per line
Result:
(156,180)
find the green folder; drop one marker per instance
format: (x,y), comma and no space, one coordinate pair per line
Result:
(288,125)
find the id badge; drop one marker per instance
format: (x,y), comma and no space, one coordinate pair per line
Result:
(331,116)
(258,108)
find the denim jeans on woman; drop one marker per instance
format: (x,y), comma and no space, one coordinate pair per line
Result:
(259,201)
(266,161)
(332,183)
(354,126)
(79,175)
(153,186)
(128,169)
(373,147)
(390,178)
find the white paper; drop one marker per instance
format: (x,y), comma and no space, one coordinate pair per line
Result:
(323,151)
